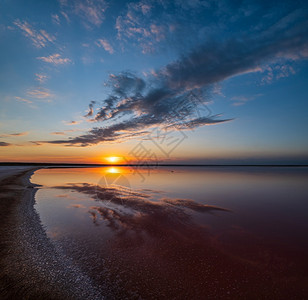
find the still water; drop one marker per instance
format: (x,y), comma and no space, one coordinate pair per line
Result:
(181,232)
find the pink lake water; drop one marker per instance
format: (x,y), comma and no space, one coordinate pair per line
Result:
(181,232)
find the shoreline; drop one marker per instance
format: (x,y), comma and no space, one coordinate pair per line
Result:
(31,266)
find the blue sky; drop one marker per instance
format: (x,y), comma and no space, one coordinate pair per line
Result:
(80,80)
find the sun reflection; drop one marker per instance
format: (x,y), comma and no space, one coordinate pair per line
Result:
(113,170)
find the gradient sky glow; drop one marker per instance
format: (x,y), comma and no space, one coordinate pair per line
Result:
(82,80)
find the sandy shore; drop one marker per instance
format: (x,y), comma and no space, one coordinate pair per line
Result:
(31,267)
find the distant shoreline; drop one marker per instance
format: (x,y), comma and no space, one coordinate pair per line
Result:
(145,165)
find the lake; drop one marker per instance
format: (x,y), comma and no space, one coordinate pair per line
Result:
(181,232)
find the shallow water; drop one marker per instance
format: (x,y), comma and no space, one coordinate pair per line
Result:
(182,232)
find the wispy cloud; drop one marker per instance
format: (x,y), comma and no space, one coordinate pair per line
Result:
(65,16)
(105,44)
(55,59)
(41,78)
(40,93)
(14,134)
(24,100)
(39,38)
(90,11)
(277,71)
(241,100)
(146,24)
(55,19)
(71,122)
(158,31)
(135,27)
(65,132)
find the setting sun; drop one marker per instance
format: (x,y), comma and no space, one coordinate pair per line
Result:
(113,159)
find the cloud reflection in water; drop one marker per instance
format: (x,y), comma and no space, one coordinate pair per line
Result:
(125,209)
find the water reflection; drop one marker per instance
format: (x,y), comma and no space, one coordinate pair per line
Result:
(187,234)
(113,170)
(135,210)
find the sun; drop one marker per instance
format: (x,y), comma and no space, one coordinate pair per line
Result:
(112,159)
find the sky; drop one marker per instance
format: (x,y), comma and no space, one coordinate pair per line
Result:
(154,81)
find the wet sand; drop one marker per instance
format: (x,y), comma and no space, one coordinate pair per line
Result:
(31,267)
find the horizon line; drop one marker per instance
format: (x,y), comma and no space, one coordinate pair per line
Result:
(151,165)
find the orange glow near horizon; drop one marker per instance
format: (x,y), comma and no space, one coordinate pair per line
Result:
(112,159)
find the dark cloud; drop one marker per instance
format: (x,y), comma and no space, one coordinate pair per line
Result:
(90,112)
(71,122)
(136,105)
(176,96)
(36,143)
(217,61)
(4,144)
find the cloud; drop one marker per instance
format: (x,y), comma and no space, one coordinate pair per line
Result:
(241,100)
(4,144)
(136,27)
(41,78)
(277,71)
(65,16)
(35,143)
(90,112)
(158,31)
(24,100)
(14,134)
(55,19)
(40,93)
(64,132)
(39,38)
(135,106)
(55,59)
(105,44)
(147,23)
(215,62)
(90,11)
(176,95)
(71,122)
(184,23)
